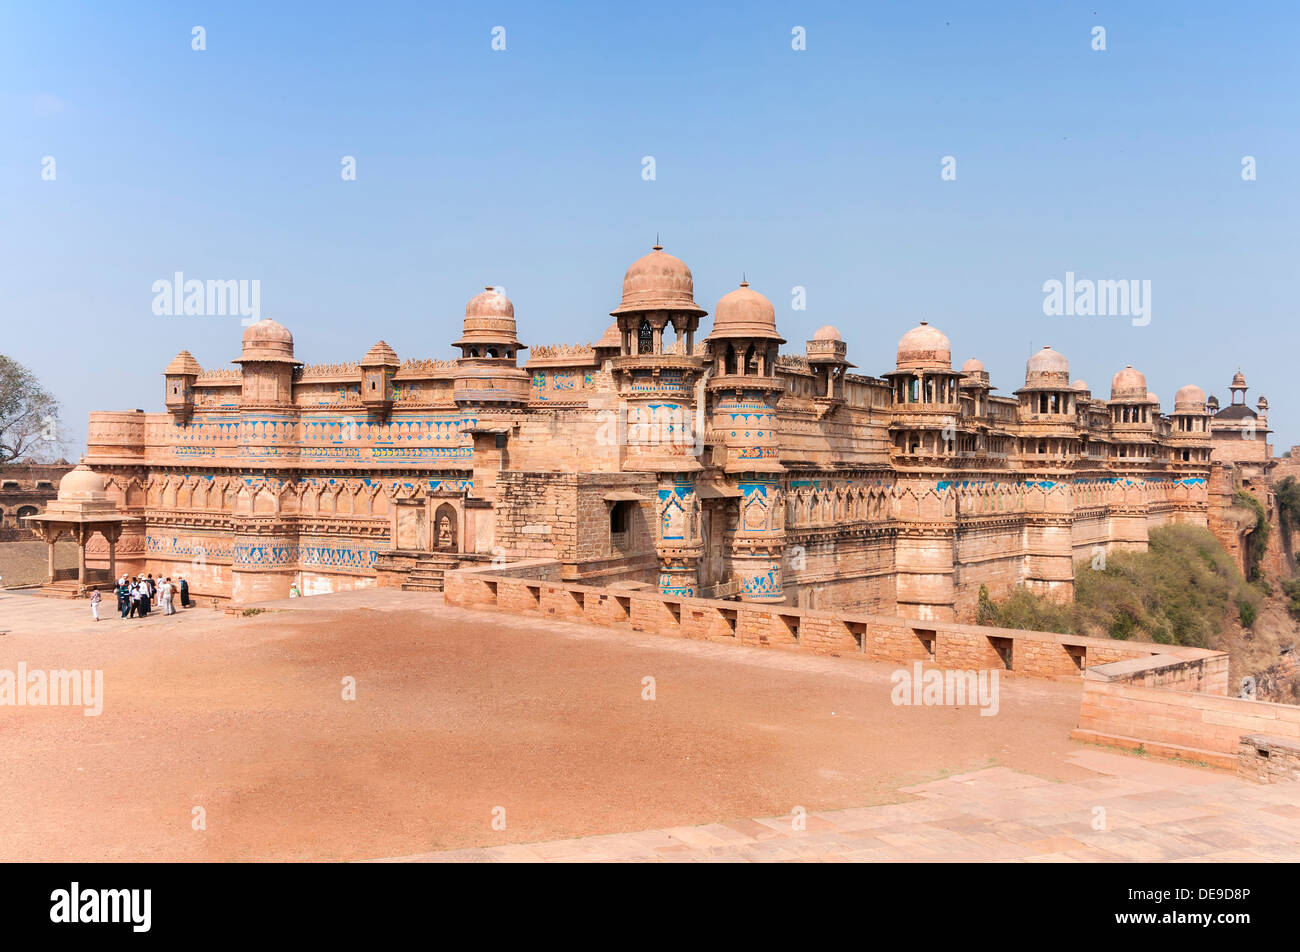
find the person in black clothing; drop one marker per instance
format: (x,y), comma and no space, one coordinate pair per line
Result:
(185,593)
(133,597)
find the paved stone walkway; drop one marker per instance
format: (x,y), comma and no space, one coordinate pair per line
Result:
(1152,812)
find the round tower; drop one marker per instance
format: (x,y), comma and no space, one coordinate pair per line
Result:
(660,426)
(264,546)
(744,388)
(487,374)
(1189,435)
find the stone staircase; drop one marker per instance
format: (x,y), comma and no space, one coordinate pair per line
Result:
(427,574)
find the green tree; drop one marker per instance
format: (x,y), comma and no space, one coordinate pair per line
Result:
(29,415)
(1287,493)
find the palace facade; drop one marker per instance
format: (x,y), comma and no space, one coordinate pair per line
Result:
(702,464)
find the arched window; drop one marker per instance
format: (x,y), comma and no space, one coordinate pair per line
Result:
(731,360)
(492,352)
(751,360)
(645,335)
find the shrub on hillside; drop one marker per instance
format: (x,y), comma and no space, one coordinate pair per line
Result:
(1258,540)
(1026,611)
(1183,590)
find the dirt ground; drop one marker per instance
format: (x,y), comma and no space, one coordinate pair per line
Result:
(457,713)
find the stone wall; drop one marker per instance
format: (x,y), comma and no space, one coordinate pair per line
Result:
(1266,759)
(1187,725)
(869,636)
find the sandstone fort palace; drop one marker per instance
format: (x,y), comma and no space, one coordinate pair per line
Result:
(711,465)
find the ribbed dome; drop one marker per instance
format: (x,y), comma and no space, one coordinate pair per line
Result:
(1128,384)
(611,339)
(827,332)
(1080,385)
(1047,367)
(490,319)
(381,355)
(1263,402)
(972,366)
(1238,379)
(658,282)
(81,484)
(1189,399)
(924,348)
(745,313)
(268,340)
(183,363)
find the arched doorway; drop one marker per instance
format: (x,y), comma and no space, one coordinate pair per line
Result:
(444,528)
(23,512)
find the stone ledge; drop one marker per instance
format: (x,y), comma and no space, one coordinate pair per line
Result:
(1166,751)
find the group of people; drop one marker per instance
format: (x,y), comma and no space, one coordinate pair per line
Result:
(137,596)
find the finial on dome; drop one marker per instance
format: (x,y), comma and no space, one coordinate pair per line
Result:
(743,283)
(657,245)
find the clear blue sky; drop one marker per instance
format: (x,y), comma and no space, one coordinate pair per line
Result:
(522,168)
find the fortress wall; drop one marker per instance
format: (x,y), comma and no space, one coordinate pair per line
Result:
(992,556)
(1192,724)
(854,571)
(1087,532)
(537,514)
(869,636)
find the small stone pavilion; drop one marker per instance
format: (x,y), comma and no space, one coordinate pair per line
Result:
(82,509)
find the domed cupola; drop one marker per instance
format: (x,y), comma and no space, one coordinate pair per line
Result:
(489,330)
(744,313)
(267,363)
(486,372)
(658,282)
(827,355)
(1129,384)
(267,341)
(1189,399)
(923,374)
(744,340)
(1048,368)
(658,291)
(924,347)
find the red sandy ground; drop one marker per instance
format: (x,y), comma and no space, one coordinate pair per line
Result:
(457,712)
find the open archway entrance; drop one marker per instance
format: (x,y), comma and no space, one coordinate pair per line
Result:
(444,529)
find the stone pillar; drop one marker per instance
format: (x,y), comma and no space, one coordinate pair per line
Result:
(111,533)
(759,542)
(677,539)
